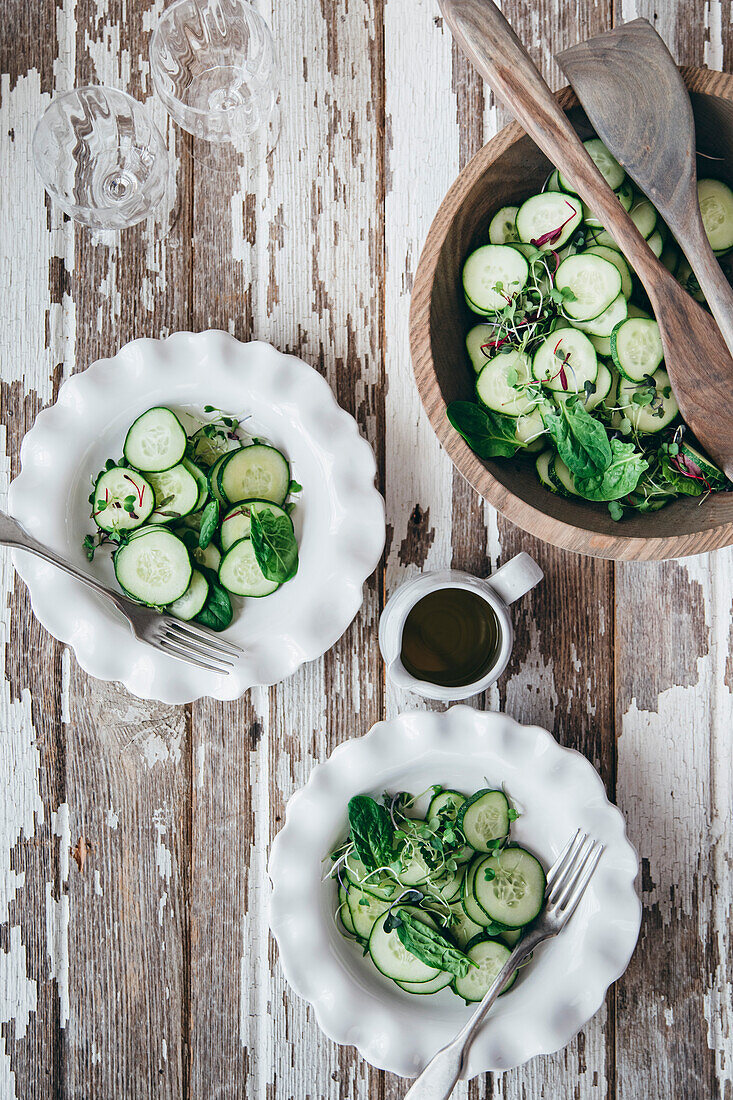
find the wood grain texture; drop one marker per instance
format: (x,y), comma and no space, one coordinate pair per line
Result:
(173,986)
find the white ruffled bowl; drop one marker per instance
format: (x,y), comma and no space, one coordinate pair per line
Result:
(339,519)
(557,791)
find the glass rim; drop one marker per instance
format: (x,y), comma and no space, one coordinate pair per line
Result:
(166,97)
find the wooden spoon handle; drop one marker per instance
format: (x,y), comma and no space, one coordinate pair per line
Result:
(491,45)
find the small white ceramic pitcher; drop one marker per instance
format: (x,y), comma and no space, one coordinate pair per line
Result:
(502,588)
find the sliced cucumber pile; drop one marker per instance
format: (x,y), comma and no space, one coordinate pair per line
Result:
(568,361)
(436,900)
(194,518)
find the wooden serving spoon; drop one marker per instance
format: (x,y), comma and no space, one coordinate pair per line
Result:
(629,74)
(696,357)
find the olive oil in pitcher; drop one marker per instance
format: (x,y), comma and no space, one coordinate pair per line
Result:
(451,637)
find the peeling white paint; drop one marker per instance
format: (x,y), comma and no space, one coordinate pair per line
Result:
(200,759)
(20,806)
(98,883)
(57,946)
(18,995)
(65,684)
(61,828)
(96,1055)
(163,858)
(111,818)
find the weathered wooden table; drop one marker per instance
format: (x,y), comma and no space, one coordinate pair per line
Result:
(145,969)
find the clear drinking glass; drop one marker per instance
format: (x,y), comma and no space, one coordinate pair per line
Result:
(213,65)
(101,157)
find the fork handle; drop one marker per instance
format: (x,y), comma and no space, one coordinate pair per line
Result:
(443,1071)
(13,535)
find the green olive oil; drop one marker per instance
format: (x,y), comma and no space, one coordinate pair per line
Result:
(450,637)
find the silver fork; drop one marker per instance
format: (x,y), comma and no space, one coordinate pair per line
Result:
(178,639)
(566,882)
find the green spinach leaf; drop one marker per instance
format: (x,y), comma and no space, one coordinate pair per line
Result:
(217,611)
(427,944)
(581,440)
(209,524)
(274,544)
(372,832)
(619,478)
(488,434)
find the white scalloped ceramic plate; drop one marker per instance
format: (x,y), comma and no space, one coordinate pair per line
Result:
(557,791)
(339,519)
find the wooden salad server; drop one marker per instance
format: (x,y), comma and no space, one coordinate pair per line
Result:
(696,357)
(629,74)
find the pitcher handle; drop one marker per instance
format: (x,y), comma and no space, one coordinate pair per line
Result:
(515,578)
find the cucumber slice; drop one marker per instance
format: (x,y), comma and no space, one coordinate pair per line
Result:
(112,488)
(450,885)
(656,243)
(594,282)
(599,236)
(490,956)
(644,216)
(579,357)
(470,906)
(602,344)
(258,471)
(213,478)
(154,568)
(562,478)
(364,909)
(371,883)
(542,463)
(462,928)
(240,574)
(478,337)
(511,937)
(201,480)
(392,959)
(515,895)
(552,212)
(210,557)
(614,257)
(503,226)
(604,382)
(434,986)
(176,493)
(484,817)
(712,473)
(606,322)
(193,599)
(605,162)
(636,348)
(552,183)
(210,442)
(155,441)
(344,912)
(637,311)
(530,430)
(495,389)
(716,207)
(624,194)
(447,804)
(237,521)
(656,416)
(489,268)
(686,278)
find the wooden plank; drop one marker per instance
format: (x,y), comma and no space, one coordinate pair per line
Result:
(674,761)
(296,263)
(32,343)
(115,761)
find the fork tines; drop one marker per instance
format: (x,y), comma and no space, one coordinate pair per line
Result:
(571,873)
(196,645)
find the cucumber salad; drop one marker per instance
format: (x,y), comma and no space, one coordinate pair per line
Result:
(436,901)
(195,517)
(568,359)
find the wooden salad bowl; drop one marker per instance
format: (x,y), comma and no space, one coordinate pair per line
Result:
(507,170)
